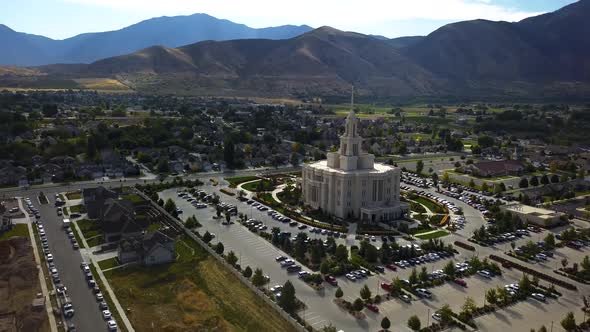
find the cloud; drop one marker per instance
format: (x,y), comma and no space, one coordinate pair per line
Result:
(343,14)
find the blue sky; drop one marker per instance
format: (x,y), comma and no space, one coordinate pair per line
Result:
(392,18)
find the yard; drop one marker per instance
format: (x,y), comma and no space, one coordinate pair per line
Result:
(135,198)
(195,293)
(74,195)
(91,232)
(235,181)
(76,209)
(432,235)
(260,185)
(17,230)
(108,263)
(430,205)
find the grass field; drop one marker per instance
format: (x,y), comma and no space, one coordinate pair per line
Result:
(253,186)
(76,209)
(108,263)
(234,182)
(195,293)
(135,198)
(74,195)
(108,84)
(108,299)
(432,235)
(430,205)
(78,239)
(17,230)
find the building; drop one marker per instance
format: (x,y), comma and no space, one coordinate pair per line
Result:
(118,220)
(152,248)
(534,215)
(95,198)
(495,168)
(349,184)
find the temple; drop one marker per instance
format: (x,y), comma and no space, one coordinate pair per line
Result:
(350,185)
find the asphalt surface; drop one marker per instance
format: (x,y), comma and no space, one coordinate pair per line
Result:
(87,315)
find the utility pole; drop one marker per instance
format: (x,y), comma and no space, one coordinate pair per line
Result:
(428,318)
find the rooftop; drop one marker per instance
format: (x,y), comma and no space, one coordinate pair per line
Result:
(378,168)
(533,211)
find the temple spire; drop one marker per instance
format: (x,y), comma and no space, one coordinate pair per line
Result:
(352,101)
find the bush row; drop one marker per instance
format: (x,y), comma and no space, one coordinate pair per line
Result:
(528,270)
(464,246)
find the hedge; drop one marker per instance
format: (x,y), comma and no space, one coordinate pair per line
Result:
(507,263)
(464,246)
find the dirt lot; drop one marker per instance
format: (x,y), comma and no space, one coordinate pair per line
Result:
(19,286)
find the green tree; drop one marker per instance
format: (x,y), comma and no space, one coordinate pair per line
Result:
(542,329)
(534,181)
(469,307)
(492,296)
(471,184)
(294,159)
(419,167)
(446,314)
(524,183)
(258,278)
(328,328)
(325,268)
(341,253)
(288,301)
(435,182)
(544,179)
(232,259)
(484,186)
(525,284)
(554,178)
(365,293)
(585,263)
(569,322)
(413,279)
(414,323)
(339,293)
(91,148)
(219,248)
(423,275)
(450,269)
(550,241)
(170,206)
(358,305)
(207,237)
(247,272)
(385,323)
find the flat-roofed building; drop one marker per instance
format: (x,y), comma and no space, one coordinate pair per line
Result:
(534,215)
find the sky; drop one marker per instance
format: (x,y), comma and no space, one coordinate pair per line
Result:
(61,19)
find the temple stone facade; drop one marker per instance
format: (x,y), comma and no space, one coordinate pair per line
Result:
(350,185)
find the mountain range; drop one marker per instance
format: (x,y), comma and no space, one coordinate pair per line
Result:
(31,50)
(542,56)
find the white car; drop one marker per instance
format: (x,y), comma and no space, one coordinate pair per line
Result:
(112,325)
(49,257)
(106,314)
(485,273)
(539,296)
(350,277)
(436,316)
(99,297)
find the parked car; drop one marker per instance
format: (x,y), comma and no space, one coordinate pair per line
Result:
(372,307)
(106,314)
(539,297)
(461,282)
(112,325)
(405,298)
(331,280)
(68,310)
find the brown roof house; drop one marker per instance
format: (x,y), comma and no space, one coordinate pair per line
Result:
(94,199)
(152,248)
(118,220)
(495,168)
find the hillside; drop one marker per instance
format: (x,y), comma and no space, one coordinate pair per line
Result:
(29,50)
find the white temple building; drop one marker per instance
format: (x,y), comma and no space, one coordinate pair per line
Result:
(350,185)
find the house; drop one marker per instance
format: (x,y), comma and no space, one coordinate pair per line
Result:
(151,248)
(95,198)
(495,168)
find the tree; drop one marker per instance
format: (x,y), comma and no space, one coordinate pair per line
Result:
(485,187)
(534,181)
(554,178)
(170,206)
(585,263)
(241,193)
(471,183)
(258,278)
(446,314)
(542,329)
(207,237)
(287,301)
(219,248)
(524,183)
(492,296)
(446,178)
(339,293)
(91,148)
(450,269)
(550,241)
(247,272)
(385,323)
(544,179)
(294,159)
(525,284)
(232,259)
(358,305)
(413,279)
(435,182)
(365,293)
(229,152)
(414,323)
(325,268)
(569,322)
(227,217)
(341,253)
(419,167)
(423,275)
(328,328)
(564,262)
(469,306)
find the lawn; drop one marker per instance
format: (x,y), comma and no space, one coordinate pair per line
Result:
(95,241)
(78,239)
(76,209)
(260,185)
(91,232)
(108,263)
(195,293)
(74,195)
(135,198)
(435,208)
(235,181)
(431,235)
(17,230)
(108,299)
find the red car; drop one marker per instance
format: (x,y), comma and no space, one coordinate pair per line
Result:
(391,267)
(331,280)
(460,282)
(386,286)
(373,307)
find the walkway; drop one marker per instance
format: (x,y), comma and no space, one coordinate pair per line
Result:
(277,190)
(89,257)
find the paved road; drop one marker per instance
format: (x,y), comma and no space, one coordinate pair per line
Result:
(67,261)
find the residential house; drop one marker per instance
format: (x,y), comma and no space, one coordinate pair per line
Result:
(118,220)
(95,198)
(495,168)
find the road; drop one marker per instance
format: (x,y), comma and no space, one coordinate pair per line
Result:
(67,261)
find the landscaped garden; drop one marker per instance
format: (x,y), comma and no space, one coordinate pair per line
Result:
(260,185)
(235,181)
(74,195)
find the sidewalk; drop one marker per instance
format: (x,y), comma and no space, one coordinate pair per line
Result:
(89,258)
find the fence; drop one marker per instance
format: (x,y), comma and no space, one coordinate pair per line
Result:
(223,262)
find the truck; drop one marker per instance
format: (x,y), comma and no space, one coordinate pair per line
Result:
(66,223)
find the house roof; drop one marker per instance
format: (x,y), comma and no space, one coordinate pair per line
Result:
(499,166)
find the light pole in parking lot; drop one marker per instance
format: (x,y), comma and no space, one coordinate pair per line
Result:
(428,318)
